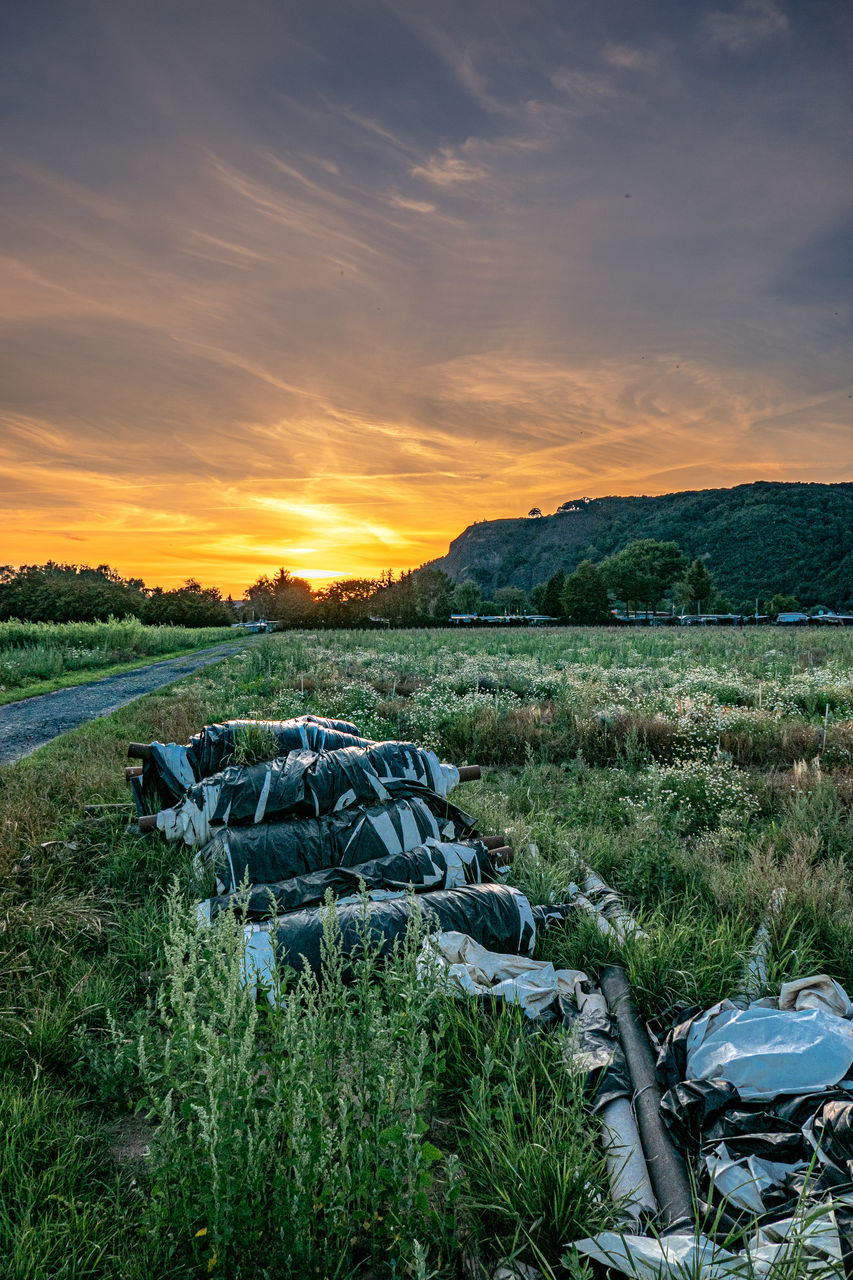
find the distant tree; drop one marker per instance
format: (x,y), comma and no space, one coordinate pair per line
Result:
(346,602)
(191,605)
(552,596)
(534,513)
(783,604)
(466,597)
(512,600)
(434,595)
(54,592)
(643,572)
(585,598)
(697,588)
(283,598)
(537,594)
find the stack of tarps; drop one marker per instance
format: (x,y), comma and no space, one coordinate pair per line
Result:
(369,824)
(759,1098)
(304,784)
(169,769)
(267,852)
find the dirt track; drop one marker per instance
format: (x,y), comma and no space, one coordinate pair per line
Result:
(31,723)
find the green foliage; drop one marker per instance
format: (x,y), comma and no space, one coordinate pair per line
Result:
(697,591)
(552,596)
(284,598)
(294,1136)
(189,606)
(67,593)
(466,598)
(585,598)
(77,593)
(644,571)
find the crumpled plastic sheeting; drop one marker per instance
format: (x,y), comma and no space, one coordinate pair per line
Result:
(273,851)
(820,992)
(427,867)
(810,1241)
(473,970)
(499,916)
(767,1052)
(304,783)
(746,1182)
(648,1258)
(593,1047)
(175,767)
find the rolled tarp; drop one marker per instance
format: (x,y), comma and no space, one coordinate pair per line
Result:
(666,1168)
(425,868)
(303,784)
(497,915)
(271,851)
(170,768)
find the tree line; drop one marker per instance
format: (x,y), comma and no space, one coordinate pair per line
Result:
(645,575)
(56,592)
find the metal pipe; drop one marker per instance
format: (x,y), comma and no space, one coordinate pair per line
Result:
(148,822)
(666,1168)
(138,751)
(469,772)
(492,842)
(133,771)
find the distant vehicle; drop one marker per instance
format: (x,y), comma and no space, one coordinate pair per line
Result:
(795,619)
(253,627)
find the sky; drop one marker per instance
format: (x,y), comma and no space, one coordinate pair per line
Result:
(320,284)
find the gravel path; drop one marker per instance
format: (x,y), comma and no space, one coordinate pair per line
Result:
(32,722)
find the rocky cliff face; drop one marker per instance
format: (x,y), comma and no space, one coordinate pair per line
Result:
(757,539)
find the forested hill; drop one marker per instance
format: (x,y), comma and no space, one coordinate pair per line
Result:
(758,539)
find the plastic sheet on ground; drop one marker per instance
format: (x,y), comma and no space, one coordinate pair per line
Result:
(274,851)
(473,970)
(820,992)
(424,868)
(746,1182)
(763,1097)
(174,767)
(304,783)
(765,1052)
(497,915)
(811,1241)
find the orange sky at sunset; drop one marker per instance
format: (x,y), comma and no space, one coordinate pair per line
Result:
(276,290)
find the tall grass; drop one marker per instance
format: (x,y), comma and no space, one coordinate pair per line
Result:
(32,652)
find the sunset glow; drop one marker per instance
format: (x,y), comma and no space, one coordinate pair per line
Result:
(319,286)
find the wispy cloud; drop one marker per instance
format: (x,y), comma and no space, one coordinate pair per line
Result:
(448,167)
(740,30)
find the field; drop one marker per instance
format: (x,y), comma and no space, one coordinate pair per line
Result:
(382,1129)
(38,657)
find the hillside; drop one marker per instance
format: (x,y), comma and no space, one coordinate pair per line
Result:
(758,539)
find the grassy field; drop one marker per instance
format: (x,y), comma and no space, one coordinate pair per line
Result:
(38,657)
(381,1129)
